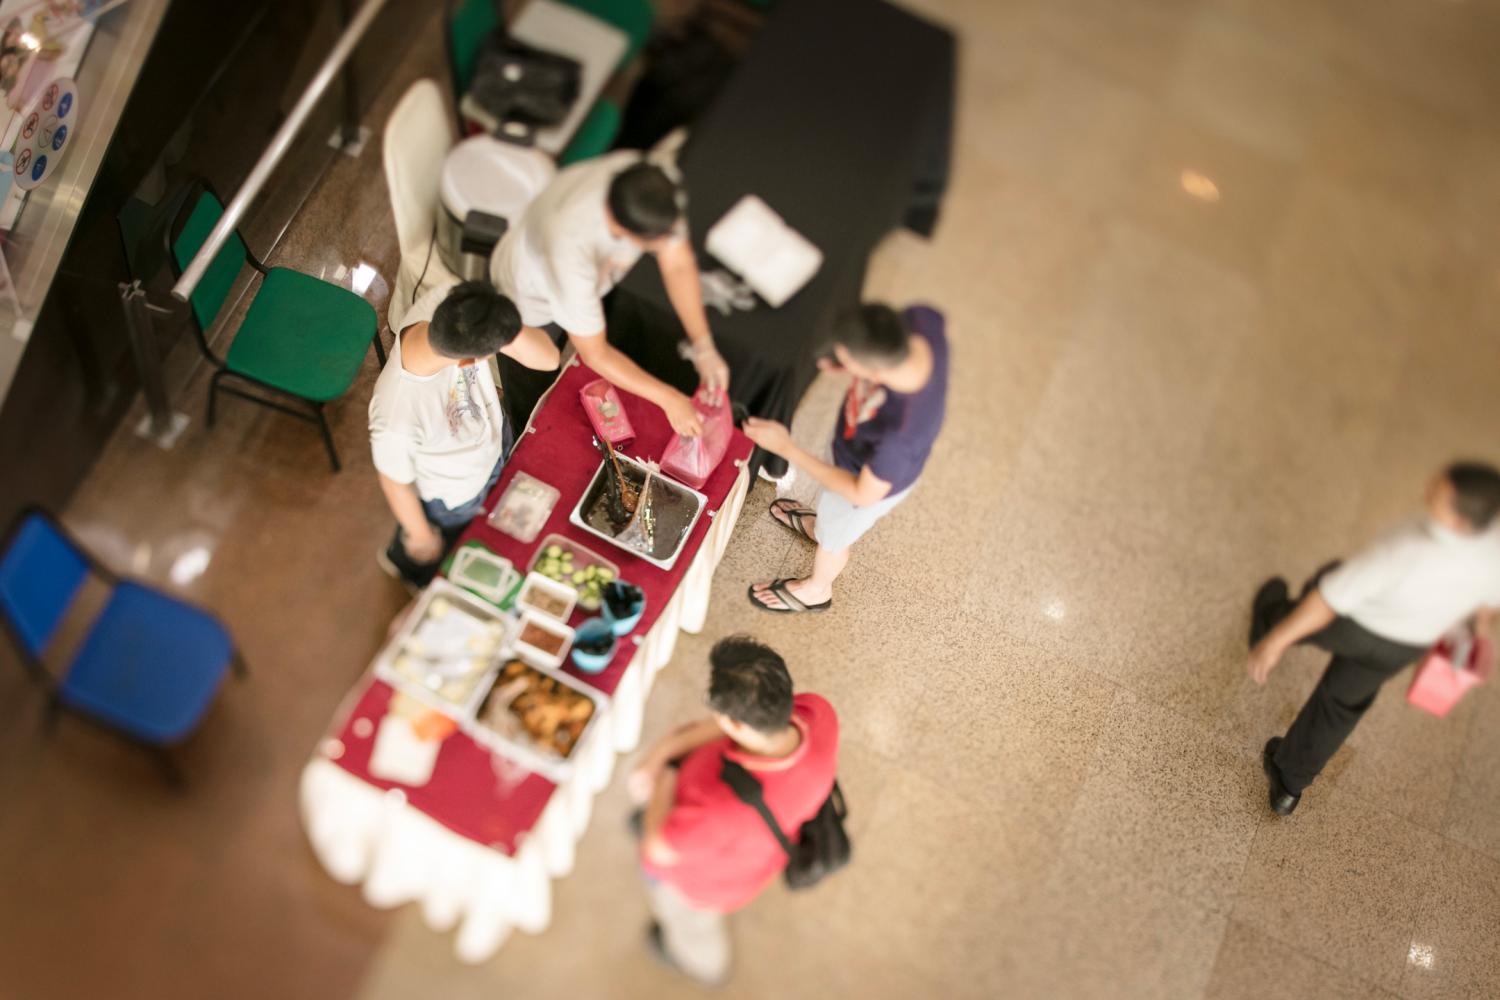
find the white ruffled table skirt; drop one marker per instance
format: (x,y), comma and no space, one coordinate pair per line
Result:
(369,837)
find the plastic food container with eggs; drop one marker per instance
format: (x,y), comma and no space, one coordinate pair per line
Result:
(446,649)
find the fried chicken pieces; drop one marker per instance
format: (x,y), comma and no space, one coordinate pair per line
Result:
(550,714)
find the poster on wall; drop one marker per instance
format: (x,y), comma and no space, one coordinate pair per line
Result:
(46,129)
(42,43)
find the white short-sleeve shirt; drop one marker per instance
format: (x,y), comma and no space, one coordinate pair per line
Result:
(560,260)
(1417,581)
(444,433)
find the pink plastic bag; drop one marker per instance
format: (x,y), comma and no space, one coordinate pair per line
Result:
(693,460)
(1439,684)
(606,412)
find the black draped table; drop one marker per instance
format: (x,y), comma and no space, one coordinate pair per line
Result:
(840,119)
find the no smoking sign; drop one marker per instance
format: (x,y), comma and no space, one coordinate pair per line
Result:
(47,130)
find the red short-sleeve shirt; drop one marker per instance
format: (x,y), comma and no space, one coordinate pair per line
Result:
(725,853)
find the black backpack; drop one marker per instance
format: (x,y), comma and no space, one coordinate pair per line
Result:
(822,846)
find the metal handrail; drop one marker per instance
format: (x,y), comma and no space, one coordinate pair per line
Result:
(280,142)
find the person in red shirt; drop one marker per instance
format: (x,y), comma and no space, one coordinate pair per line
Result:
(705,853)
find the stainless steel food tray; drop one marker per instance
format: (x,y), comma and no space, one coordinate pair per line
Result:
(685,503)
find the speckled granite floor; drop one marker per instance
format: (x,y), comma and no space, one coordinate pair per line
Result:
(1223,290)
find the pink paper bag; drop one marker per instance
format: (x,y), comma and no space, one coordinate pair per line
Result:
(692,460)
(1439,683)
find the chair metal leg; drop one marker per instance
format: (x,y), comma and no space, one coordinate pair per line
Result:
(333,455)
(213,395)
(169,768)
(379,349)
(50,716)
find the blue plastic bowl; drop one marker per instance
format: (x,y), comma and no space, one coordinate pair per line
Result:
(622,626)
(589,633)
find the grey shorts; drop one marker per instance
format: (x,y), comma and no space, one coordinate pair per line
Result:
(840,524)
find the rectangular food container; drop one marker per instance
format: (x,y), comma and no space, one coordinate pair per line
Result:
(546,762)
(537,584)
(468,568)
(456,600)
(533,655)
(578,558)
(524,507)
(677,507)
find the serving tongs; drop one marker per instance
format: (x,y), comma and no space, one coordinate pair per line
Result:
(620,497)
(629,507)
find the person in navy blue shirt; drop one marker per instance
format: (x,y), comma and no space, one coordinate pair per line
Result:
(885,431)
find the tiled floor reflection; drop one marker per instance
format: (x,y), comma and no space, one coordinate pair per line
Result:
(1223,290)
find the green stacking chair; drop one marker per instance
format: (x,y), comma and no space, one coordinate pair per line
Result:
(634,17)
(467,21)
(302,338)
(596,133)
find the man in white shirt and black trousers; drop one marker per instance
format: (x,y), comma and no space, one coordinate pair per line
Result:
(569,249)
(1378,612)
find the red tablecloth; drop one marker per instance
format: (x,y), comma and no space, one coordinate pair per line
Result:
(467,793)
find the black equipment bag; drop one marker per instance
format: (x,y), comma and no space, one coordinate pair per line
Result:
(822,846)
(515,82)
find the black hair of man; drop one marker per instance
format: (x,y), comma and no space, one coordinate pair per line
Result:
(1476,492)
(474,321)
(749,682)
(644,200)
(874,335)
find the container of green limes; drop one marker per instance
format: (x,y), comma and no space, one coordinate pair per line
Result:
(567,562)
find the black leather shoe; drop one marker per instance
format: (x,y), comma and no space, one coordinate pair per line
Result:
(1271,595)
(1282,801)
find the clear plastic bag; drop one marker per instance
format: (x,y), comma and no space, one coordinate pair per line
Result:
(691,460)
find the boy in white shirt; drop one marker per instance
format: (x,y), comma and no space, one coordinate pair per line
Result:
(1376,613)
(437,431)
(577,240)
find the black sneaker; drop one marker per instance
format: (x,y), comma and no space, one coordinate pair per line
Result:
(388,566)
(1272,595)
(1283,802)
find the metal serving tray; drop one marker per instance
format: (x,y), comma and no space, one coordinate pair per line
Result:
(549,765)
(462,602)
(678,508)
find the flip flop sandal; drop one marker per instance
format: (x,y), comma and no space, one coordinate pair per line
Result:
(793,606)
(794,515)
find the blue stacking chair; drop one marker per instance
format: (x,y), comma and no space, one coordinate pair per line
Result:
(148,666)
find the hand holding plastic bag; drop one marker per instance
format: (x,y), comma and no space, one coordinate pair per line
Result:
(691,460)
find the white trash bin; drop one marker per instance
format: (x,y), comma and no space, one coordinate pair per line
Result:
(483,174)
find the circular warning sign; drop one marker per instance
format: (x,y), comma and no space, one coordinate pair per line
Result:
(46,132)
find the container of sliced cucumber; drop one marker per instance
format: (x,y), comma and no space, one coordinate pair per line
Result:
(572,564)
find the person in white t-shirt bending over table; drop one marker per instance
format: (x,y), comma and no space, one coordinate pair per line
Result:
(437,431)
(576,241)
(1376,613)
